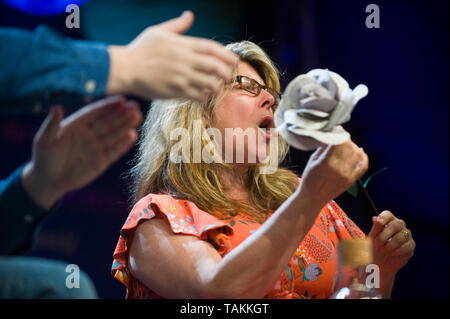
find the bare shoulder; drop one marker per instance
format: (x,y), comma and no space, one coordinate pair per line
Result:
(154,238)
(170,264)
(153,227)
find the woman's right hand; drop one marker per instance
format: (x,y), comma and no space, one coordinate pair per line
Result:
(331,170)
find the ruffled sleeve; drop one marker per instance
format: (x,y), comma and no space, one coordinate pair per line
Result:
(183,217)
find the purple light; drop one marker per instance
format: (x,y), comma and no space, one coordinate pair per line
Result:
(42,7)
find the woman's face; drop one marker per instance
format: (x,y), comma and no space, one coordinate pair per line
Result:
(244,120)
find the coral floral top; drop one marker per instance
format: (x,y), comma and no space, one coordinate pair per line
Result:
(310,273)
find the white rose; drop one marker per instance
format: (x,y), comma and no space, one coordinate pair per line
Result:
(313,107)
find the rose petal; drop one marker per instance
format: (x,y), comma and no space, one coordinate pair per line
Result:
(303,87)
(335,137)
(359,92)
(300,142)
(325,80)
(292,118)
(313,106)
(313,90)
(313,114)
(317,103)
(341,113)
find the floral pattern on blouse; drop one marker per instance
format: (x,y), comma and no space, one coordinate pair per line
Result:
(310,273)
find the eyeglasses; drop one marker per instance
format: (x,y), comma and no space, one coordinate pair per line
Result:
(252,86)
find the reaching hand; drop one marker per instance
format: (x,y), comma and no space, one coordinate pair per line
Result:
(393,244)
(162,63)
(70,154)
(333,169)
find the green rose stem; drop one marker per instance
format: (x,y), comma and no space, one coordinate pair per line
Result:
(353,190)
(369,199)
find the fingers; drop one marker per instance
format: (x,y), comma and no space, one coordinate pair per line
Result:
(209,65)
(109,137)
(346,151)
(359,163)
(49,128)
(385,217)
(350,158)
(194,93)
(406,248)
(106,106)
(203,75)
(121,135)
(379,223)
(171,65)
(397,240)
(127,121)
(96,111)
(333,169)
(215,51)
(205,83)
(121,145)
(106,121)
(389,233)
(321,151)
(362,165)
(106,103)
(119,118)
(194,85)
(177,25)
(377,227)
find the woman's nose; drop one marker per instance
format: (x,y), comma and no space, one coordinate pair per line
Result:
(267,99)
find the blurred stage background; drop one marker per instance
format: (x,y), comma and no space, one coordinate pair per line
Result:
(402,124)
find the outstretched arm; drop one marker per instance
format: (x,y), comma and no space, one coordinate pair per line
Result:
(45,68)
(178,266)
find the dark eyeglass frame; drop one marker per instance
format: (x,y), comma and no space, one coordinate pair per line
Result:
(276,95)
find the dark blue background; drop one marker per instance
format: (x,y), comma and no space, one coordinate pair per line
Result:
(402,124)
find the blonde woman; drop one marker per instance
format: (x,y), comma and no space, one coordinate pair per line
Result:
(211,228)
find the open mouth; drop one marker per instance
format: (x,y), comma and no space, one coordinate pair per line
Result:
(266,124)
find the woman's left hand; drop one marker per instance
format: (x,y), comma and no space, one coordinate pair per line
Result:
(393,244)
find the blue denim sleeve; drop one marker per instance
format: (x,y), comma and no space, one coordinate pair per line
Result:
(20,217)
(43,68)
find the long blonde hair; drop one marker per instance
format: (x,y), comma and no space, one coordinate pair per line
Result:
(154,172)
